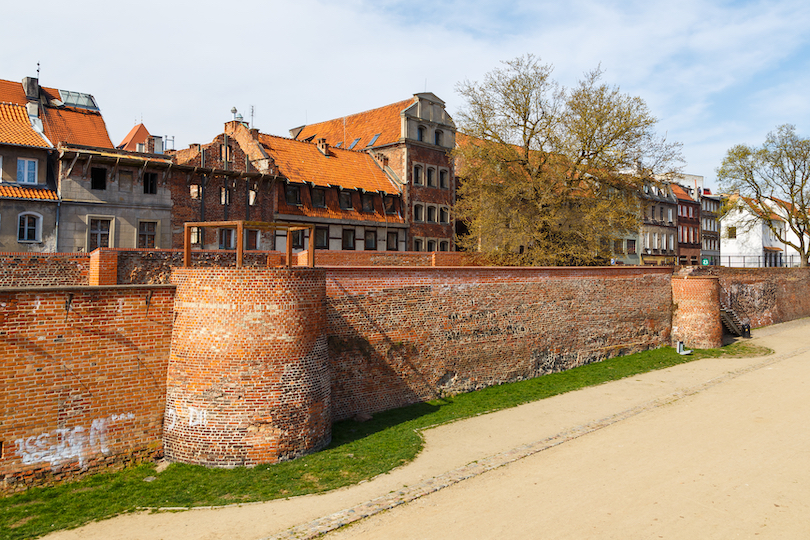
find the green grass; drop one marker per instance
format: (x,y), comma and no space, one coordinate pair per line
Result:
(358,451)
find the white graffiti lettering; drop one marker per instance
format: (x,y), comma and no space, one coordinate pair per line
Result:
(197,417)
(64,445)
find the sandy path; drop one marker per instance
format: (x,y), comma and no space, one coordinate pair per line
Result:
(701,454)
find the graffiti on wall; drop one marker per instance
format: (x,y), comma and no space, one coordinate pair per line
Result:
(65,445)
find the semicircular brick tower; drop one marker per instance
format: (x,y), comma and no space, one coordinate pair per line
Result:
(248,376)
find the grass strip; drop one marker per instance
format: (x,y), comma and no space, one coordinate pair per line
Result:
(359,451)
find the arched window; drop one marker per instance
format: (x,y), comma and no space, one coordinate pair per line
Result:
(417,175)
(420,133)
(29,227)
(418,212)
(437,138)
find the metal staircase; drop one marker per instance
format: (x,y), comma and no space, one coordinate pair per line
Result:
(732,322)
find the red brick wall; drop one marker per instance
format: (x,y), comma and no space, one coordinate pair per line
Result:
(82,379)
(696,320)
(43,269)
(248,378)
(401,335)
(761,296)
(103,267)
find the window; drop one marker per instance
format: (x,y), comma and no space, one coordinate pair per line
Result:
(418,212)
(437,138)
(417,244)
(348,239)
(345,199)
(253,195)
(321,237)
(99,233)
(444,215)
(443,179)
(417,175)
(194,191)
(672,242)
(227,238)
(431,245)
(297,239)
(224,196)
(392,241)
(420,133)
(669,215)
(661,212)
(431,214)
(444,246)
(631,247)
(431,177)
(374,139)
(655,241)
(319,198)
(370,240)
(367,201)
(26,171)
(690,211)
(251,239)
(147,231)
(196,236)
(292,194)
(98,178)
(150,183)
(354,143)
(30,229)
(390,205)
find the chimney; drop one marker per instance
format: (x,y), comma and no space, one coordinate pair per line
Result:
(323,146)
(31,87)
(255,134)
(381,159)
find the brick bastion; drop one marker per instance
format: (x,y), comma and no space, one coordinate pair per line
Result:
(248,375)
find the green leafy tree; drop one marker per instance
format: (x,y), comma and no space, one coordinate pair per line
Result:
(551,176)
(772,180)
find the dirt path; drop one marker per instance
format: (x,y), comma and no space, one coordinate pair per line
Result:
(713,449)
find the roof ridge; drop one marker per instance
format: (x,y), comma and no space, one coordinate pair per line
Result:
(315,143)
(361,113)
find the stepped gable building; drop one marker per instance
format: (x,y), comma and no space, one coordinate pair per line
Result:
(414,138)
(352,197)
(28,199)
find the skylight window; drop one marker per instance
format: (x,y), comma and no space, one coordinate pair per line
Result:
(338,145)
(374,139)
(77,99)
(354,142)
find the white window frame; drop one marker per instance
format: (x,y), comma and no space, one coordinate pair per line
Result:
(38,228)
(26,171)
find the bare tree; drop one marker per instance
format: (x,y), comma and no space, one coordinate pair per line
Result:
(550,176)
(773,181)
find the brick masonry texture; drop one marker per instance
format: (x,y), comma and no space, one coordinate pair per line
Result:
(43,269)
(402,335)
(696,318)
(82,379)
(761,296)
(248,378)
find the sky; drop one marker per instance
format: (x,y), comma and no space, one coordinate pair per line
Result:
(714,73)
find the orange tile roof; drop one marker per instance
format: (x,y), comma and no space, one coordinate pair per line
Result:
(138,134)
(75,126)
(12,92)
(301,162)
(681,193)
(15,127)
(385,120)
(27,193)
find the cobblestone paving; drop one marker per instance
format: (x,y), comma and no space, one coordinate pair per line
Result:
(321,526)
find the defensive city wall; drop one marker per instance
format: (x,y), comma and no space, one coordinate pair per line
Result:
(137,358)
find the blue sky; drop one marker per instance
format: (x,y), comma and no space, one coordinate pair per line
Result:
(714,73)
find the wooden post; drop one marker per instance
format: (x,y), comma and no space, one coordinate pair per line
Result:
(311,247)
(288,247)
(240,242)
(186,246)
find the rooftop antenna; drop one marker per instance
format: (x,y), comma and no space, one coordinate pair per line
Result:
(37,70)
(252,111)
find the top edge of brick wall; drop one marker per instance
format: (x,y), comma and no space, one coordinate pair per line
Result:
(5,254)
(83,288)
(579,269)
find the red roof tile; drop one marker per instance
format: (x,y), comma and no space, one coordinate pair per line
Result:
(681,193)
(385,120)
(75,126)
(303,162)
(28,193)
(15,127)
(137,135)
(12,92)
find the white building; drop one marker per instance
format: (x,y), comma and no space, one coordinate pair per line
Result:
(746,240)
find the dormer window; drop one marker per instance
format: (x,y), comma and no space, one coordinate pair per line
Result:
(319,198)
(292,194)
(345,199)
(26,171)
